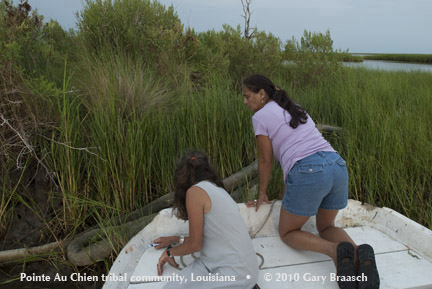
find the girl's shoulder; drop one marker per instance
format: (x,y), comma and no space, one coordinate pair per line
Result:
(270,113)
(204,184)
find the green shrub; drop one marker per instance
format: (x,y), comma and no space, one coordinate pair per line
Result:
(242,56)
(314,58)
(20,31)
(58,48)
(210,58)
(149,31)
(135,27)
(20,37)
(31,70)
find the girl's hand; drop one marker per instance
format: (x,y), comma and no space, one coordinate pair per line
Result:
(164,242)
(257,203)
(164,259)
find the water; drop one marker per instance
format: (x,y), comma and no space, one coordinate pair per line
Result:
(390,65)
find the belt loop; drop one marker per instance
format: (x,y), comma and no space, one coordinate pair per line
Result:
(325,157)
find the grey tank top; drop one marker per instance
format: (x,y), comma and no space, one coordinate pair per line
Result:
(226,241)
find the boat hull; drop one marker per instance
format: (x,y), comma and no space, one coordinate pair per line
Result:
(402,248)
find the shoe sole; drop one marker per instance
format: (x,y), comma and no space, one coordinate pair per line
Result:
(367,267)
(345,266)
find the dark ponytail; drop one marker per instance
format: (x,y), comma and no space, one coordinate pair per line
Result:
(257,82)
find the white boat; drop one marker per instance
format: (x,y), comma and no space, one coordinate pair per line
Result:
(403,250)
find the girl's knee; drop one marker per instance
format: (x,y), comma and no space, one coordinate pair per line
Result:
(322,229)
(284,233)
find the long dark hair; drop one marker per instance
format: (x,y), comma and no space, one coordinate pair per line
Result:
(193,168)
(257,82)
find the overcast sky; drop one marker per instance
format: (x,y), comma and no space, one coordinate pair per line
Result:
(381,26)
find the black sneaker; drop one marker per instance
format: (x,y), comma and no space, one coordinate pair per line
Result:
(367,268)
(346,272)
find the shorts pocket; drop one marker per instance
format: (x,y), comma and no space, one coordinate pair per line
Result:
(302,174)
(310,169)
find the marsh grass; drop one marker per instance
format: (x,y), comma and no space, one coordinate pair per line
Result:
(347,57)
(122,129)
(415,58)
(131,151)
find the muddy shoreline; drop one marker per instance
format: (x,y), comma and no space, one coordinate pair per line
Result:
(29,228)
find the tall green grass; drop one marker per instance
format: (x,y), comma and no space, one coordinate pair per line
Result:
(117,147)
(386,138)
(123,129)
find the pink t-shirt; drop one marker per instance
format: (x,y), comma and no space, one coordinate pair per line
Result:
(289,145)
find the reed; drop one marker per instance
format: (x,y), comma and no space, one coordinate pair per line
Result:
(110,149)
(131,127)
(347,57)
(415,58)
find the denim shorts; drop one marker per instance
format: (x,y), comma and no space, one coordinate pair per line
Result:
(317,181)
